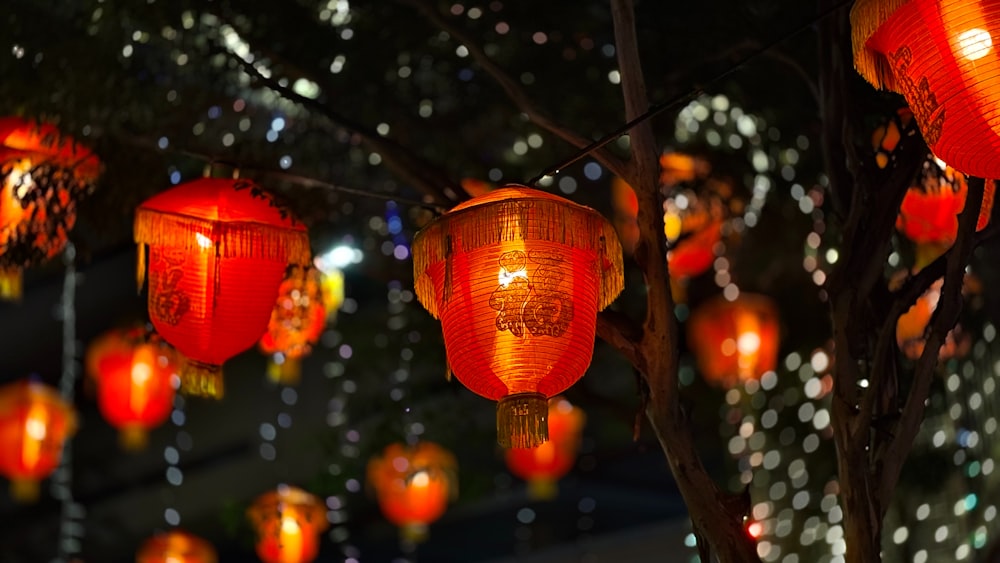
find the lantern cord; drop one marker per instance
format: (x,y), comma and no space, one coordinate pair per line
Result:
(663,106)
(72,513)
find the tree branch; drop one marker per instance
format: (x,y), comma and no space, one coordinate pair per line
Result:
(623,333)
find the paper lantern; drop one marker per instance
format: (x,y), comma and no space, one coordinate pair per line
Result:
(543,465)
(911,327)
(134,372)
(43,174)
(176,546)
(288,522)
(517,277)
(941,55)
(734,341)
(35,422)
(413,485)
(217,254)
(297,320)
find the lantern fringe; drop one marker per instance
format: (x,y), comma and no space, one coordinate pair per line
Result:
(232,240)
(543,489)
(519,219)
(866,17)
(11,284)
(413,533)
(24,491)
(199,379)
(140,267)
(523,420)
(133,438)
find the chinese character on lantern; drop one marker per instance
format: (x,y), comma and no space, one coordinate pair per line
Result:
(35,422)
(543,465)
(413,485)
(517,277)
(288,522)
(42,175)
(734,341)
(218,250)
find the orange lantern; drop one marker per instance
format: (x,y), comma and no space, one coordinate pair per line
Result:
(217,254)
(545,464)
(413,485)
(331,286)
(35,421)
(517,277)
(176,547)
(297,320)
(942,56)
(134,374)
(288,522)
(736,340)
(912,326)
(43,173)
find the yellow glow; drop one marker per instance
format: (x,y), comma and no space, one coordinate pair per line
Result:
(975,43)
(20,178)
(203,241)
(672,224)
(35,428)
(420,479)
(748,343)
(141,373)
(505,277)
(290,526)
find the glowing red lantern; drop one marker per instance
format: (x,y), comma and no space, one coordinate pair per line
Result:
(217,254)
(734,341)
(288,522)
(35,421)
(517,277)
(297,320)
(134,374)
(543,465)
(43,173)
(413,485)
(176,547)
(942,56)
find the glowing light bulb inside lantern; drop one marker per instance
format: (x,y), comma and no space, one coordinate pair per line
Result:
(420,480)
(36,428)
(975,43)
(203,241)
(172,559)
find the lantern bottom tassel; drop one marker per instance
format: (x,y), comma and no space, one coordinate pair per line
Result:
(413,533)
(522,420)
(24,491)
(543,489)
(287,372)
(133,438)
(199,379)
(11,284)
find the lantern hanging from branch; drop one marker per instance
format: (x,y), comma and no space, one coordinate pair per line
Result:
(734,341)
(176,546)
(135,375)
(35,422)
(217,254)
(911,327)
(288,522)
(543,465)
(413,485)
(42,175)
(517,277)
(941,55)
(297,320)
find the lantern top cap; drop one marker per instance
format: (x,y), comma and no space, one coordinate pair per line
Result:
(867,16)
(20,137)
(223,200)
(512,191)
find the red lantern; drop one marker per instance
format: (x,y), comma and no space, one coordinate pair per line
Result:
(134,374)
(413,485)
(35,421)
(288,522)
(942,56)
(176,547)
(217,254)
(734,341)
(543,465)
(297,320)
(517,277)
(43,173)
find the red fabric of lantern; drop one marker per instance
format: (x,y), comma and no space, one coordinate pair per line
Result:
(517,277)
(35,421)
(734,341)
(176,546)
(543,465)
(288,522)
(942,56)
(134,373)
(413,485)
(217,254)
(297,320)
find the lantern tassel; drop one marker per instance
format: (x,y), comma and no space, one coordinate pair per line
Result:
(11,284)
(24,491)
(866,17)
(413,533)
(133,438)
(199,379)
(140,267)
(522,420)
(543,489)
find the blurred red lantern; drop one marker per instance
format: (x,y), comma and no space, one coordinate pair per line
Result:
(176,547)
(912,326)
(413,485)
(217,254)
(297,321)
(517,277)
(134,374)
(734,341)
(543,465)
(941,55)
(35,422)
(288,522)
(43,173)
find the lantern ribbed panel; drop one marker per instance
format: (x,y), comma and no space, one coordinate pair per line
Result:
(125,402)
(945,59)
